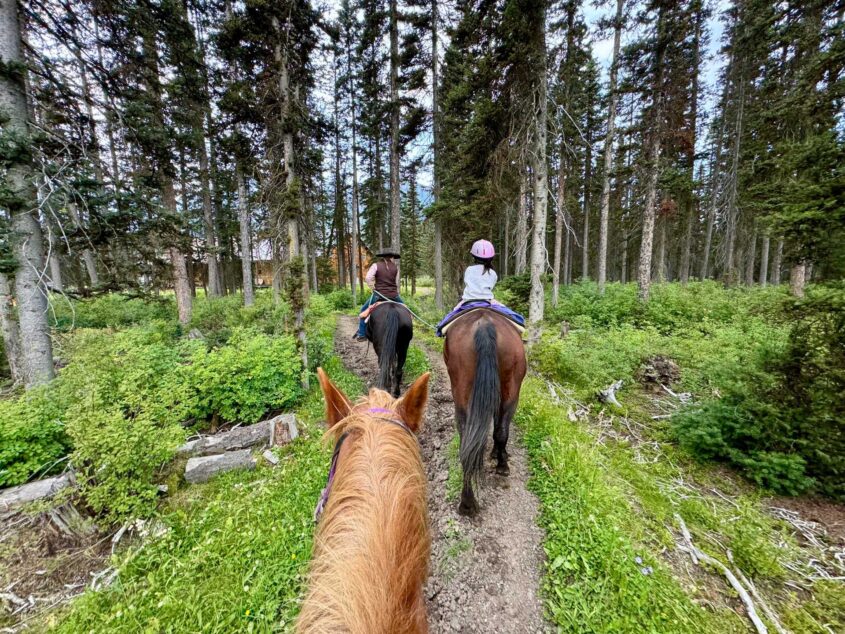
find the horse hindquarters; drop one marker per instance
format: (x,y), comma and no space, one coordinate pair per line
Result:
(483,408)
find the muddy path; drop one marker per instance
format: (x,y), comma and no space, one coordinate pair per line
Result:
(486,571)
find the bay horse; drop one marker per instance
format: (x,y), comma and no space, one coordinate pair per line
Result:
(372,545)
(485,357)
(391,329)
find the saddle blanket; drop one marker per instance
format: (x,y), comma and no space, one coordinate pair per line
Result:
(515,319)
(365,314)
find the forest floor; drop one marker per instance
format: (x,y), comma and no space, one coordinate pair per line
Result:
(485,572)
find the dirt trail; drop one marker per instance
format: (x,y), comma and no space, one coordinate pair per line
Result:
(485,572)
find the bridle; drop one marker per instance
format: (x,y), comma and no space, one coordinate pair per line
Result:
(324,495)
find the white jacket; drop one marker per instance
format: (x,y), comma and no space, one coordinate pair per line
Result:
(478,284)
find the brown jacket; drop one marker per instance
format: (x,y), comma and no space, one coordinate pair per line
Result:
(383,277)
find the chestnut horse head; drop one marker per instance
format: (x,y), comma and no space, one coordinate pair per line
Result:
(372,546)
(485,357)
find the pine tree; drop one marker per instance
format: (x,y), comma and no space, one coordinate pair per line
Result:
(19,197)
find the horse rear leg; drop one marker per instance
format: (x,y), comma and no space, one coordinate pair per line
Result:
(501,431)
(401,355)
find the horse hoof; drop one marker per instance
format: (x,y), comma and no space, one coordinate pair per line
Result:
(503,470)
(468,510)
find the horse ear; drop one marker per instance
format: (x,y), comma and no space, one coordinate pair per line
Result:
(337,405)
(411,407)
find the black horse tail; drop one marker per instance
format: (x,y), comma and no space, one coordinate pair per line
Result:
(483,402)
(388,348)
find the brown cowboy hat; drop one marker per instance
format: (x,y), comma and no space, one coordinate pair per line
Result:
(388,254)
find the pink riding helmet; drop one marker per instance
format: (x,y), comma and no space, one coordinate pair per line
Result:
(483,249)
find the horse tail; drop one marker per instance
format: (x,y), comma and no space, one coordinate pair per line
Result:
(388,347)
(483,402)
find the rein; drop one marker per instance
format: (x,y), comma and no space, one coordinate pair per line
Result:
(324,494)
(390,301)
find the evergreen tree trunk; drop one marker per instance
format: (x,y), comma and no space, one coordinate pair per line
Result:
(208,222)
(245,222)
(181,282)
(752,257)
(691,206)
(87,254)
(435,138)
(608,148)
(522,226)
(9,328)
(536,301)
(646,244)
(683,274)
(559,225)
(778,263)
(764,261)
(339,202)
(660,268)
(395,194)
(730,276)
(588,171)
(797,279)
(506,251)
(357,264)
(36,345)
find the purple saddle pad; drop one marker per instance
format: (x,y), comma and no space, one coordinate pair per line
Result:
(499,308)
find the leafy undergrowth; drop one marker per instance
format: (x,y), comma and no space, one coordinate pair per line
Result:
(610,494)
(235,554)
(603,574)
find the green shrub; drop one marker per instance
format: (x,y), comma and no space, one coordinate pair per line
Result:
(217,317)
(318,306)
(341,299)
(243,380)
(514,291)
(779,417)
(32,435)
(111,310)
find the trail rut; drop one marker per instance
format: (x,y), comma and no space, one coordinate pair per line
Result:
(486,571)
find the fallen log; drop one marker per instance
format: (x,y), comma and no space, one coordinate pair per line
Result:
(203,468)
(32,491)
(279,430)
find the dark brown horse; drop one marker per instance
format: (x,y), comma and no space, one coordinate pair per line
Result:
(485,357)
(391,329)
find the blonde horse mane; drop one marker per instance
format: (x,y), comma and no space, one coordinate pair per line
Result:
(372,545)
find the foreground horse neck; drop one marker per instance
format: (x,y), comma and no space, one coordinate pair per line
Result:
(372,546)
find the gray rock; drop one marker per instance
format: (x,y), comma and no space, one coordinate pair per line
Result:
(32,491)
(203,468)
(270,457)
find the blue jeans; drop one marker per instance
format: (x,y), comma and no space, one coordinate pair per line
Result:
(362,325)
